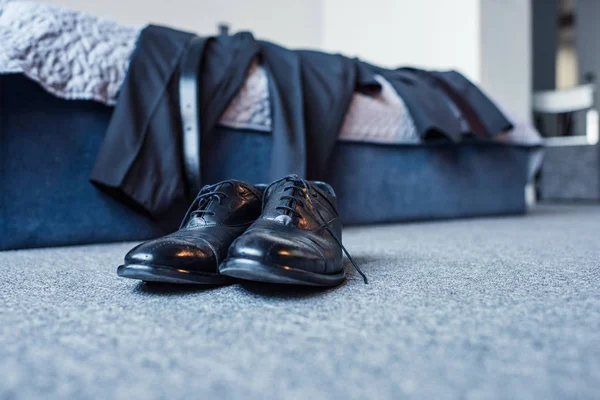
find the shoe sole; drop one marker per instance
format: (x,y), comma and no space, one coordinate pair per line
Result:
(253,270)
(155,273)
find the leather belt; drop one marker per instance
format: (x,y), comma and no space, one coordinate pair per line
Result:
(189,106)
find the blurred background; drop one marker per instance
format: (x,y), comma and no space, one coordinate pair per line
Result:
(536,58)
(487,40)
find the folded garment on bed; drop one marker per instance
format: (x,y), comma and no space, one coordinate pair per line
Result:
(175,75)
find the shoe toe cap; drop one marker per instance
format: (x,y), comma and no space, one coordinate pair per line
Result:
(174,253)
(273,249)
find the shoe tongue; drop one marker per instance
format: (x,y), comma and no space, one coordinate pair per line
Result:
(212,204)
(281,216)
(281,187)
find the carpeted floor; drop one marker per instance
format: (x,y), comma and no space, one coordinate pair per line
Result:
(474,309)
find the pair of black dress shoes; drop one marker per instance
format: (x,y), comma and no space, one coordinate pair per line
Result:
(288,232)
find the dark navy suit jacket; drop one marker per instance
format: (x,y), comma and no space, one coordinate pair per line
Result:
(141,160)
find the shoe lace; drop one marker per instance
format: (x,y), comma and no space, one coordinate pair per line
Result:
(296,188)
(202,200)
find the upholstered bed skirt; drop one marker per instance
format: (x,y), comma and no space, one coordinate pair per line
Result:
(49,145)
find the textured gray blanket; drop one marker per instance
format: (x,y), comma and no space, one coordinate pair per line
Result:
(480,309)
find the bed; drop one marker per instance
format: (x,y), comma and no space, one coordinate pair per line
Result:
(60,75)
(49,145)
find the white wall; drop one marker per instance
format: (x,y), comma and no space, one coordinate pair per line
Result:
(434,34)
(292,23)
(429,33)
(506,54)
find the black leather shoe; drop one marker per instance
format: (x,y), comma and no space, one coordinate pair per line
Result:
(219,214)
(297,240)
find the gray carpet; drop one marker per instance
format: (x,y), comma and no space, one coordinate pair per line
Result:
(475,309)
